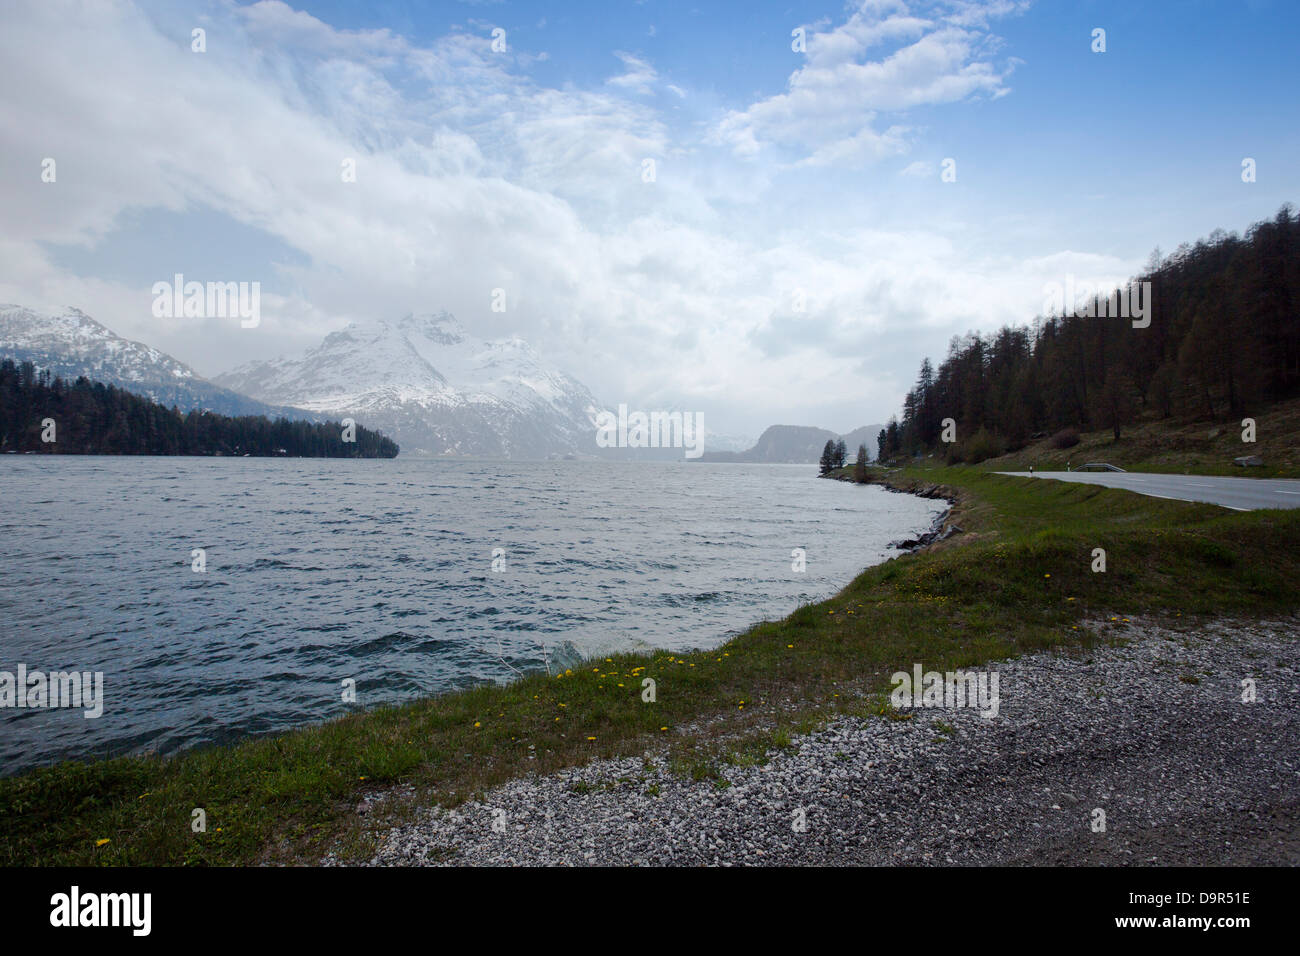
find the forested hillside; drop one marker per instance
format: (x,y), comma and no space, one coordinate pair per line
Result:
(1223,342)
(90,418)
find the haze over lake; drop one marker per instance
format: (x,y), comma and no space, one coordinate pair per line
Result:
(318,570)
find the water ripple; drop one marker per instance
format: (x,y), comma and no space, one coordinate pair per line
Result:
(382,572)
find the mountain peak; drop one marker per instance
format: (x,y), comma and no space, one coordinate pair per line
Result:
(71,344)
(435,387)
(440,327)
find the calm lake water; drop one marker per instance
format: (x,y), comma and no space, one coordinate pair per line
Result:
(382,571)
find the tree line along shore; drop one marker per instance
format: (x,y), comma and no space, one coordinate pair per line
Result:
(47,415)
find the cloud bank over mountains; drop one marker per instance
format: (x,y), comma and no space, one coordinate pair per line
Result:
(736,280)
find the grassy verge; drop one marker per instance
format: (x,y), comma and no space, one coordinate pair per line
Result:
(1167,447)
(1017,580)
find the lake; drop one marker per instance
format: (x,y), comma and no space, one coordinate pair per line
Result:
(408,576)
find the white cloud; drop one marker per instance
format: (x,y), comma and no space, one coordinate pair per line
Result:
(832,102)
(639,76)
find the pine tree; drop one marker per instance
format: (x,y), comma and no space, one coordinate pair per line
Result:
(1114,403)
(828,456)
(860,466)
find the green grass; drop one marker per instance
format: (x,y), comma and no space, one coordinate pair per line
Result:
(1169,446)
(1018,580)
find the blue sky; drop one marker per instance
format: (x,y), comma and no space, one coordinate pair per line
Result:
(779,174)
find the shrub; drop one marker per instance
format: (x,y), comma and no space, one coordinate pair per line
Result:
(1065,438)
(983,444)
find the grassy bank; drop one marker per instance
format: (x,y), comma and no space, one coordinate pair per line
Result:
(1018,579)
(1168,447)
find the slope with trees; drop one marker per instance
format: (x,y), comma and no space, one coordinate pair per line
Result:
(1223,342)
(90,418)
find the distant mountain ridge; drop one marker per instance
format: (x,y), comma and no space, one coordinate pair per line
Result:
(72,344)
(433,387)
(799,444)
(422,380)
(868,435)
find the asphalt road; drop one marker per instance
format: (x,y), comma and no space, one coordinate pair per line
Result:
(1240,494)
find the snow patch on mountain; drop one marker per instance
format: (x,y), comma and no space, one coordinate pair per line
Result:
(425,381)
(72,344)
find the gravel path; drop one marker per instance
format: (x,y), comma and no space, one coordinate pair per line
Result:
(1154,733)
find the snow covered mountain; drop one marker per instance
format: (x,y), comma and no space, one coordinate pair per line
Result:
(72,344)
(434,388)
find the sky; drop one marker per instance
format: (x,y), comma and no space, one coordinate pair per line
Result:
(791,255)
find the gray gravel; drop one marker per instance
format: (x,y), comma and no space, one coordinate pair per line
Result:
(1154,733)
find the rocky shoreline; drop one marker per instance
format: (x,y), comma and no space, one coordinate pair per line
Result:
(941,529)
(944,525)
